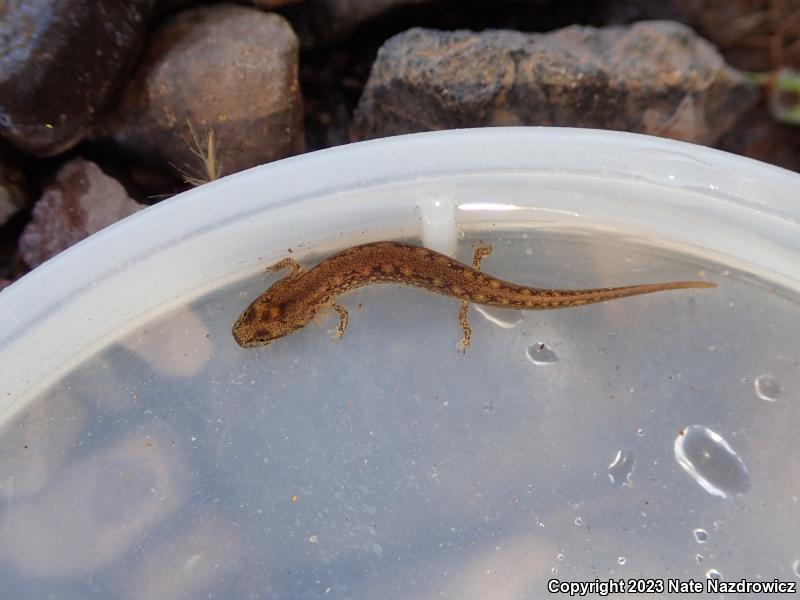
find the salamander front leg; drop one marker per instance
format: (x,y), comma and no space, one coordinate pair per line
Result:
(481,252)
(344,318)
(287,263)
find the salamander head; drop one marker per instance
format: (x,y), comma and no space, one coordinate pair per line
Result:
(266,319)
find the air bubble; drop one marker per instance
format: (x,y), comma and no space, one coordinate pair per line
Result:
(621,560)
(700,535)
(541,354)
(767,388)
(621,468)
(713,574)
(710,460)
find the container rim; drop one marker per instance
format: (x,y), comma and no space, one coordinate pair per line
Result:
(70,304)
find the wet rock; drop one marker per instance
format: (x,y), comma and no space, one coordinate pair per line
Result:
(655,77)
(224,69)
(81,201)
(13,196)
(60,61)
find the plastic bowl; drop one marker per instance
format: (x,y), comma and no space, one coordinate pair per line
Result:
(146,455)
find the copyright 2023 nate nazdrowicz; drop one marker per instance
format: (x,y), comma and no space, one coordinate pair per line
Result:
(606,587)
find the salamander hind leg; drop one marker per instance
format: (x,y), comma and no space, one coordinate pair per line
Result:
(344,319)
(481,252)
(463,320)
(287,263)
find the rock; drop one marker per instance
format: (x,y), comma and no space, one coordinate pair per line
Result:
(224,69)
(81,201)
(60,61)
(655,77)
(13,196)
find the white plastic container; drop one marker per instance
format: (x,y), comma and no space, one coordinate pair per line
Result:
(146,455)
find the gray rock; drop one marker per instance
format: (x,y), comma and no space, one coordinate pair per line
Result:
(227,69)
(654,77)
(81,201)
(60,62)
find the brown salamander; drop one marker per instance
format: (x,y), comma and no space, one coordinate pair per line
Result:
(292,302)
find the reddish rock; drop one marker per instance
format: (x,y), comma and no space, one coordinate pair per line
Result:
(60,61)
(655,77)
(227,69)
(81,201)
